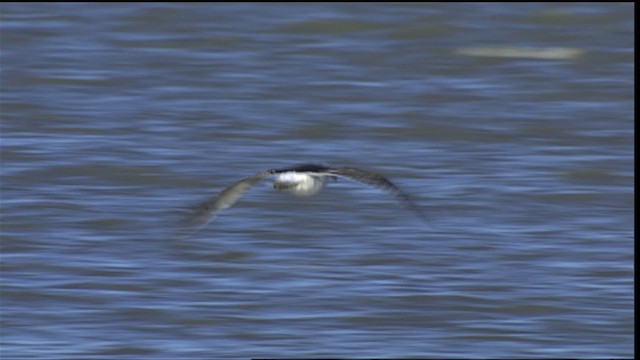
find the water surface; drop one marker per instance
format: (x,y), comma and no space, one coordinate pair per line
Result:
(511,123)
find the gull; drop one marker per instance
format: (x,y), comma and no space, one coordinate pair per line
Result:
(301,180)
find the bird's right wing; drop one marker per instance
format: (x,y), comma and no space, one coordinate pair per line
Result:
(203,213)
(379,181)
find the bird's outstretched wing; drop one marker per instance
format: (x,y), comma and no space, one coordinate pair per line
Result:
(202,213)
(378,181)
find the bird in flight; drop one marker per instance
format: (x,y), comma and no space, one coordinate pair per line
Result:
(301,180)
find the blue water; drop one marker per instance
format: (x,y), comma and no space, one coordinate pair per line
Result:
(511,124)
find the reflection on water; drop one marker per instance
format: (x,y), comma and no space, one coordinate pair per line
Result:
(552,53)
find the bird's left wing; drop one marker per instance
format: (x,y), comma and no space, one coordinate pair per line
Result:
(204,212)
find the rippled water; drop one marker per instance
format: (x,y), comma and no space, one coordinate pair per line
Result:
(511,123)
